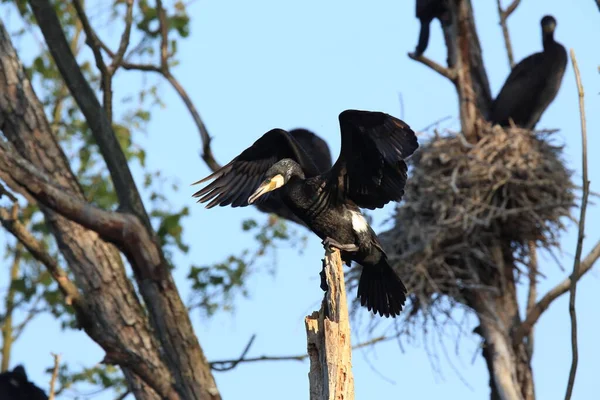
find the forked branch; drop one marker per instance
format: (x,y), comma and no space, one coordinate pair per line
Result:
(504,14)
(119,60)
(36,249)
(563,287)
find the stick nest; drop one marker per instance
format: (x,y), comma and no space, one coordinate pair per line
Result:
(462,201)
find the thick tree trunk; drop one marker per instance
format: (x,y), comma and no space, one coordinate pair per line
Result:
(119,322)
(168,317)
(508,363)
(111,312)
(465,57)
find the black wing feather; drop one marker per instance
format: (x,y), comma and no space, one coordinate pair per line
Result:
(235,182)
(520,92)
(371,170)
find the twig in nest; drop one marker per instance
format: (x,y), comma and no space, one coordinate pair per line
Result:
(54,375)
(577,262)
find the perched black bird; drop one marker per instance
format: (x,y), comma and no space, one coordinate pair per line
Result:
(369,173)
(14,385)
(532,84)
(317,149)
(426,11)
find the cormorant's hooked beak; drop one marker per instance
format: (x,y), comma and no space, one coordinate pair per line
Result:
(267,186)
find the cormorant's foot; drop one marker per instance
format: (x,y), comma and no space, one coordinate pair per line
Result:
(324,286)
(332,243)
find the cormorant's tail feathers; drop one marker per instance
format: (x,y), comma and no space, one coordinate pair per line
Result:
(381,290)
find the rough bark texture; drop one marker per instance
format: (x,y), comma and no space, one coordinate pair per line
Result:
(465,57)
(160,353)
(508,362)
(328,337)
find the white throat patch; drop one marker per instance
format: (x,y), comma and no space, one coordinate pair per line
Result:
(359,223)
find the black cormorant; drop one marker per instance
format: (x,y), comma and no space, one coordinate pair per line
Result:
(14,385)
(369,173)
(317,149)
(532,84)
(426,11)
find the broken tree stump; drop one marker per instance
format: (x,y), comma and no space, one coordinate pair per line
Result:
(328,338)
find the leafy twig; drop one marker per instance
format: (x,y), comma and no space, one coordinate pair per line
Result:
(580,236)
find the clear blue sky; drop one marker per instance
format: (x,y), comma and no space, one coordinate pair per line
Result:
(253,66)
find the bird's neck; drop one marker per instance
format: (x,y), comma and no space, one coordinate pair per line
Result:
(548,40)
(296,172)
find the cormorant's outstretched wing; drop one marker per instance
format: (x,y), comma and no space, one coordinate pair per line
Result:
(236,181)
(318,150)
(370,170)
(315,147)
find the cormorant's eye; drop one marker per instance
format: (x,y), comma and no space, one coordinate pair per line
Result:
(267,181)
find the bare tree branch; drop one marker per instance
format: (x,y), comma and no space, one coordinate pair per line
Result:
(222,365)
(554,293)
(532,293)
(18,230)
(232,364)
(94,43)
(504,14)
(164,70)
(125,37)
(54,376)
(445,72)
(164,35)
(512,8)
(207,154)
(8,337)
(122,397)
(580,236)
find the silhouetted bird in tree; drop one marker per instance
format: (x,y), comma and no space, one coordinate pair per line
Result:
(317,149)
(14,385)
(426,11)
(369,173)
(532,84)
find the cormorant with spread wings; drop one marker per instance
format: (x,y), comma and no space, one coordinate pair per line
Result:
(369,173)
